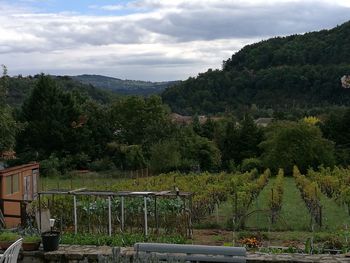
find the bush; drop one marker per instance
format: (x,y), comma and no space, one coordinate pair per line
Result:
(50,167)
(102,165)
(250,164)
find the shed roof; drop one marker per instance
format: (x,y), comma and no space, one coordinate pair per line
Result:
(18,168)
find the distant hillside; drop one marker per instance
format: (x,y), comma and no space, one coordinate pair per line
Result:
(125,87)
(20,88)
(295,71)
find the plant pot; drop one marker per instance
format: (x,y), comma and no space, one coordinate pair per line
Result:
(5,244)
(31,246)
(51,240)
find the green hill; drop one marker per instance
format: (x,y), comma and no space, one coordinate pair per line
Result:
(294,71)
(20,88)
(125,87)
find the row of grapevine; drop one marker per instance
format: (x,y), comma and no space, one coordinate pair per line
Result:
(334,183)
(173,213)
(275,202)
(310,192)
(243,197)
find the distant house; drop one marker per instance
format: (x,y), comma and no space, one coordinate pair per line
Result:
(20,184)
(183,119)
(263,122)
(7,155)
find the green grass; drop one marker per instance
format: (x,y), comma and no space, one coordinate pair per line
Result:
(217,219)
(294,211)
(334,217)
(293,215)
(260,219)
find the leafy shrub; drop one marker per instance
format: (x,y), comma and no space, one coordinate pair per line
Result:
(50,166)
(102,165)
(250,164)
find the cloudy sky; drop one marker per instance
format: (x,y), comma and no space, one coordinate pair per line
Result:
(148,39)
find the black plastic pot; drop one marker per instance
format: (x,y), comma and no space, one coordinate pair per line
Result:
(51,240)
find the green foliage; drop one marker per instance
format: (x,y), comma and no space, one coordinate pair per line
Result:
(288,144)
(250,164)
(50,166)
(275,202)
(139,121)
(336,128)
(310,192)
(8,126)
(104,164)
(324,47)
(8,129)
(240,141)
(296,71)
(53,120)
(19,88)
(31,239)
(165,156)
(9,236)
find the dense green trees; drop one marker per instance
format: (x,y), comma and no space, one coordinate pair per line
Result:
(296,143)
(240,141)
(280,74)
(54,121)
(336,128)
(67,130)
(8,126)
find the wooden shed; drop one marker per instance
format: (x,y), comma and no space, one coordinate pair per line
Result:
(18,185)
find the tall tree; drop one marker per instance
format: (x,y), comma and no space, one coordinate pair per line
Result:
(53,121)
(241,140)
(8,127)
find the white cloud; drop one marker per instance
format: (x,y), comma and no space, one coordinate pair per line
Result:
(162,39)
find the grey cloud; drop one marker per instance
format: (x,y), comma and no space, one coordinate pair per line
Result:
(233,21)
(149,59)
(188,22)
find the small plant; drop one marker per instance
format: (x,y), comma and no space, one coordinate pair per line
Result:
(8,237)
(31,239)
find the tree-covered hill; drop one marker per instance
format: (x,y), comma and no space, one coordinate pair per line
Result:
(294,71)
(20,87)
(125,87)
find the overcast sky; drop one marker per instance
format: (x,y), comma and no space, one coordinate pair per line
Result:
(148,39)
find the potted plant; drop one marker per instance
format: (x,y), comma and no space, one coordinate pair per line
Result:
(31,243)
(7,238)
(51,239)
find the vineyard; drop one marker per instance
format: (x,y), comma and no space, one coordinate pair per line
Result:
(316,201)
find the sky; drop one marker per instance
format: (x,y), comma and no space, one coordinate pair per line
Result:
(152,40)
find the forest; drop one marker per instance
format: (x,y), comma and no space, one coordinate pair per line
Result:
(65,130)
(298,71)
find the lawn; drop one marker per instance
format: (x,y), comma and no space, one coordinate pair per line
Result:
(334,217)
